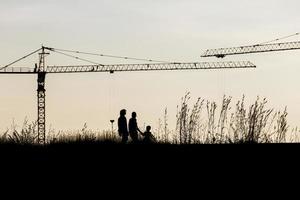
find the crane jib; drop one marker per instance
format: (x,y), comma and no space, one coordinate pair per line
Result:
(148,67)
(131,67)
(260,48)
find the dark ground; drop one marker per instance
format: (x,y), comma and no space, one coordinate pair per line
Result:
(148,168)
(114,155)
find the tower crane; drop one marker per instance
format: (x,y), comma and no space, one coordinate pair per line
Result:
(41,70)
(258,48)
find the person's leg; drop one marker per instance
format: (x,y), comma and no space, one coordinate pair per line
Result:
(135,137)
(146,140)
(131,136)
(124,138)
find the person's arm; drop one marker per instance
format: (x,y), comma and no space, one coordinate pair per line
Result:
(119,125)
(139,130)
(126,126)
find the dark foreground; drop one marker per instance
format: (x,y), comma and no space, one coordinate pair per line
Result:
(113,166)
(115,155)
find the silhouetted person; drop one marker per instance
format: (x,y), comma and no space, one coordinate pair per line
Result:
(133,128)
(148,137)
(35,68)
(122,126)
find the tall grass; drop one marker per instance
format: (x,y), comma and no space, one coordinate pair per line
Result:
(163,133)
(84,136)
(257,124)
(203,122)
(26,135)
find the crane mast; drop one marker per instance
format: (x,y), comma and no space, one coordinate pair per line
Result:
(41,97)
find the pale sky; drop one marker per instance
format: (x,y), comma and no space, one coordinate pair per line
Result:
(173,30)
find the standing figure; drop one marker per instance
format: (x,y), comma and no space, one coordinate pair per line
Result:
(122,126)
(133,128)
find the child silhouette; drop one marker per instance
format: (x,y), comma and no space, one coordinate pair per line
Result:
(148,136)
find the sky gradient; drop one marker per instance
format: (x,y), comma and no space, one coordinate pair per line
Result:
(171,30)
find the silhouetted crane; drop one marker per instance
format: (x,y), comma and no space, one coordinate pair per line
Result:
(258,48)
(41,70)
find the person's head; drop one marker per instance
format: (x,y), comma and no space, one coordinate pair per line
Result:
(133,115)
(148,128)
(123,112)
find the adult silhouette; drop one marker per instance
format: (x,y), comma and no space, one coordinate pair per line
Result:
(122,126)
(133,128)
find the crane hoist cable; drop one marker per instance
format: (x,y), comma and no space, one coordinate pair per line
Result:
(278,39)
(75,57)
(109,56)
(112,95)
(18,60)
